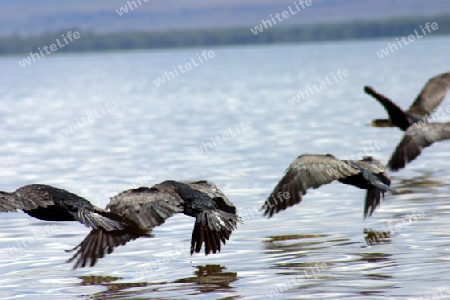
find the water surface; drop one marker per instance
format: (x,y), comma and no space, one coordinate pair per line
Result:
(141,134)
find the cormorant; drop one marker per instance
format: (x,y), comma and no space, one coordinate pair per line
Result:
(416,138)
(311,171)
(429,98)
(215,217)
(48,203)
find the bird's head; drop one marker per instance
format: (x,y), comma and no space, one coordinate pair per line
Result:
(367,158)
(381,123)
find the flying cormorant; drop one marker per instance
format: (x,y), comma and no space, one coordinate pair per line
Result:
(48,203)
(311,171)
(215,217)
(423,106)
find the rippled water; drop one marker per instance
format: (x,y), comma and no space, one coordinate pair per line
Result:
(135,133)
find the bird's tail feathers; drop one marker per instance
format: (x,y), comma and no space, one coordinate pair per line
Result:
(372,201)
(382,183)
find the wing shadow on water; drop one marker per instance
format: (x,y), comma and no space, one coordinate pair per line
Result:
(427,193)
(376,260)
(299,259)
(293,253)
(114,290)
(424,183)
(289,252)
(377,263)
(206,279)
(210,278)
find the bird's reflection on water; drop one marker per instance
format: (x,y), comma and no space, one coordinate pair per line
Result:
(205,279)
(277,243)
(210,278)
(101,280)
(113,290)
(375,257)
(301,242)
(308,262)
(423,183)
(374,237)
(291,250)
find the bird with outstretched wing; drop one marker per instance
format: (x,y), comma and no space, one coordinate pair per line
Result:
(215,218)
(313,170)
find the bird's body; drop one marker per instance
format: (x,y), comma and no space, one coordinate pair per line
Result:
(429,98)
(49,203)
(312,171)
(417,137)
(147,208)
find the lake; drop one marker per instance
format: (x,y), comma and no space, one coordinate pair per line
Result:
(100,123)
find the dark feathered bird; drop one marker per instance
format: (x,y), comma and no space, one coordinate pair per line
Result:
(48,203)
(417,137)
(312,171)
(215,217)
(425,103)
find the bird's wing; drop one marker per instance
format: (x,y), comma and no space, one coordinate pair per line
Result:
(103,240)
(149,207)
(417,137)
(100,242)
(8,202)
(100,218)
(432,94)
(141,210)
(305,172)
(396,114)
(30,197)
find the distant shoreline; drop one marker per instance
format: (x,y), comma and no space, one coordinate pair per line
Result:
(94,42)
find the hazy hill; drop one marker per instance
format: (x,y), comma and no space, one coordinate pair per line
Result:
(31,17)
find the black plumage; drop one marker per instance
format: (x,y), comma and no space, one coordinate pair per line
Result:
(215,217)
(49,203)
(429,98)
(312,171)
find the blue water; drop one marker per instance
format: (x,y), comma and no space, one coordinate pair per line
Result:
(97,124)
